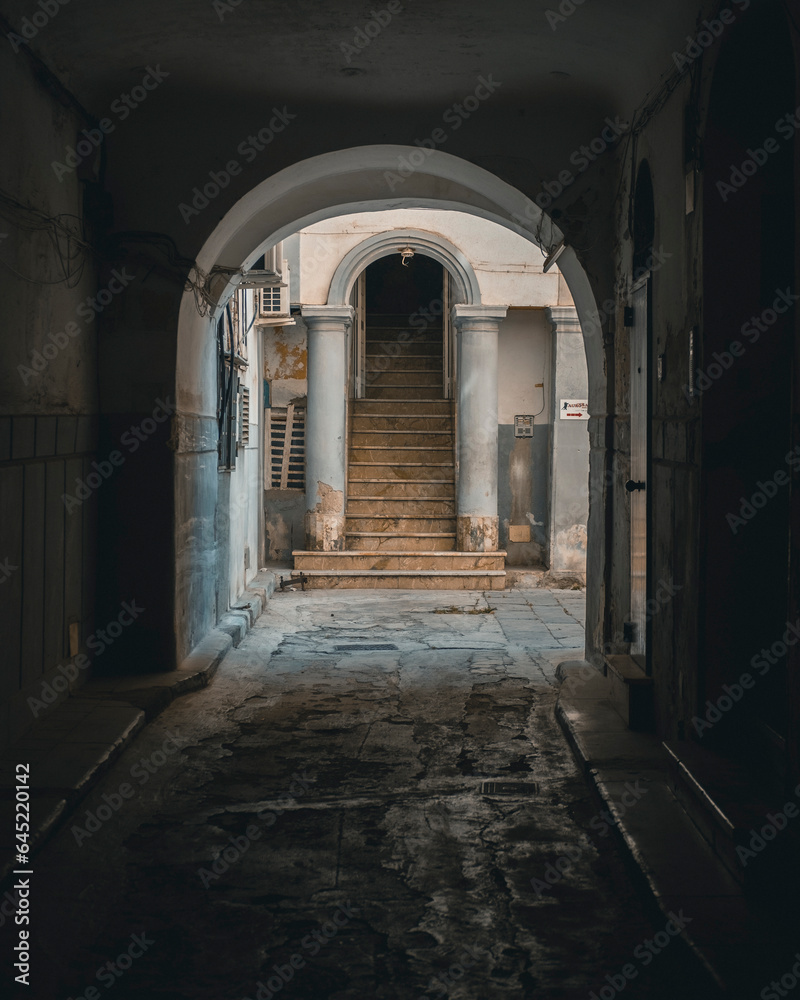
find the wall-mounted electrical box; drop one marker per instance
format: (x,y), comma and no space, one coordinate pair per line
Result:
(523,426)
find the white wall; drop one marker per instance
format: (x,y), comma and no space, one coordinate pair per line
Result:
(508,267)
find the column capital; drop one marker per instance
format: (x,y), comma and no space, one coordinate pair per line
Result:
(564,319)
(476,316)
(335,315)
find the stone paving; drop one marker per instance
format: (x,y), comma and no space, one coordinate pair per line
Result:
(373,800)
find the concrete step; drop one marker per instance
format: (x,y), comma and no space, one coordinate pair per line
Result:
(404,392)
(631,692)
(407,349)
(402,560)
(402,423)
(378,506)
(402,522)
(399,541)
(731,808)
(419,472)
(372,439)
(404,363)
(406,580)
(399,489)
(409,408)
(402,455)
(404,378)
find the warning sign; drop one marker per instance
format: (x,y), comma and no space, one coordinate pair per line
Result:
(574,409)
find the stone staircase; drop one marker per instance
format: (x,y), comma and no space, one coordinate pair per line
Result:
(401,516)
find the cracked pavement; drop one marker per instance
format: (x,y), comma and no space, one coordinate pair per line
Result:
(325,830)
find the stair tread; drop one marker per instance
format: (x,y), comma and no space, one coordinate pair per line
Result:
(405,465)
(401,534)
(399,447)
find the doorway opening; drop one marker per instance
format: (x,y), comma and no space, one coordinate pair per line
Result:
(401,456)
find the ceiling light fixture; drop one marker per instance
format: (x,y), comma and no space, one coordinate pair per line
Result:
(553,256)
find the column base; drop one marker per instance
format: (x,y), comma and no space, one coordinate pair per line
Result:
(477,534)
(324,532)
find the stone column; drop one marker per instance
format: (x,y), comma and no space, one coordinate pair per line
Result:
(326,430)
(569,471)
(477,331)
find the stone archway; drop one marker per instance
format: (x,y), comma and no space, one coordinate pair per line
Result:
(347,181)
(466,287)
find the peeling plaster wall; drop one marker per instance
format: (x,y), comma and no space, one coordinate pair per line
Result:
(286,362)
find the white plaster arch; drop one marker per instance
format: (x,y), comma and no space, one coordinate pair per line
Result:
(467,289)
(341,182)
(364,179)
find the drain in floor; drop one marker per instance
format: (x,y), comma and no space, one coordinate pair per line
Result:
(510,788)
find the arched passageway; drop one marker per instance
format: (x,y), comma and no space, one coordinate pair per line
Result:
(347,181)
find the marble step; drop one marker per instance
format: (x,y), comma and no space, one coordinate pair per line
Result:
(402,455)
(412,524)
(441,472)
(410,580)
(402,422)
(401,561)
(399,541)
(412,407)
(405,377)
(395,438)
(380,506)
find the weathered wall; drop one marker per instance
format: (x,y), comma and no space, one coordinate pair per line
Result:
(524,464)
(49,408)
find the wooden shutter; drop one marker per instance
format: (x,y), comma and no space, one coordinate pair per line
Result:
(286,448)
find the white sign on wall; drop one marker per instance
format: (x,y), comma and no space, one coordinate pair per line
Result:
(574,409)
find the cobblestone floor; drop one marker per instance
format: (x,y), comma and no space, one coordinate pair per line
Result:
(356,809)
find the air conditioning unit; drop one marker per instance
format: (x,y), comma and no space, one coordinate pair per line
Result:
(273,300)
